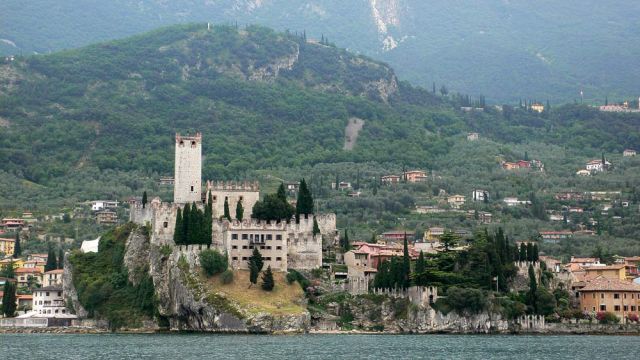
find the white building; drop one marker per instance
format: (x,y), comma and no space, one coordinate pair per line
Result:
(52,278)
(628,152)
(596,165)
(99,205)
(49,302)
(513,201)
(480,195)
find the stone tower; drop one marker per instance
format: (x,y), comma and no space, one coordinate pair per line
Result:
(188,169)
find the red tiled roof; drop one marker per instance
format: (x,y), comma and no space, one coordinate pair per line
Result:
(56,271)
(23,270)
(603,284)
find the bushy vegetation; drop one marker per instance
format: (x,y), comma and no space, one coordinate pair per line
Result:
(104,290)
(213,262)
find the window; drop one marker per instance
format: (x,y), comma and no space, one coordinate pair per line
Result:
(278,237)
(269,237)
(625,308)
(602,296)
(262,247)
(234,258)
(245,237)
(603,307)
(234,247)
(47,293)
(594,295)
(250,247)
(633,308)
(268,247)
(59,293)
(244,258)
(278,258)
(165,224)
(192,188)
(215,198)
(278,247)
(241,198)
(193,144)
(616,308)
(268,258)
(244,247)
(625,295)
(616,296)
(234,236)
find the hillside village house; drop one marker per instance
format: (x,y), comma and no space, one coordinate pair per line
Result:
(12,224)
(537,107)
(106,217)
(577,263)
(342,186)
(628,153)
(456,201)
(415,176)
(473,136)
(398,236)
(480,195)
(597,166)
(390,179)
(98,205)
(604,195)
(513,201)
(616,271)
(6,246)
(555,236)
(611,295)
(570,195)
(23,274)
(49,302)
(166,181)
(52,278)
(433,234)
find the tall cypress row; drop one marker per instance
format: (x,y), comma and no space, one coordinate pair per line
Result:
(178,232)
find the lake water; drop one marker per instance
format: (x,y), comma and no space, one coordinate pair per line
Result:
(250,347)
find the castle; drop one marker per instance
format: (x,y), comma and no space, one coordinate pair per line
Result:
(288,244)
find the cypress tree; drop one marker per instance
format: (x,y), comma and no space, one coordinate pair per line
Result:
(304,204)
(523,252)
(282,193)
(186,222)
(267,280)
(533,288)
(406,264)
(60,258)
(51,260)
(535,256)
(418,271)
(255,265)
(9,299)
(239,211)
(227,213)
(316,228)
(144,199)
(208,222)
(346,246)
(529,252)
(178,232)
(17,249)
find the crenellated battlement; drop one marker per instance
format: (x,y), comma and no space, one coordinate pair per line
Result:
(233,185)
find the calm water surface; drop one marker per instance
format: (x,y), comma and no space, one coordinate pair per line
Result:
(190,346)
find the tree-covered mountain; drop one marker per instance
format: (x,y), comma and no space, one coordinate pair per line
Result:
(505,50)
(262,99)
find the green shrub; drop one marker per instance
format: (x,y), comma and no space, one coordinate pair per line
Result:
(227,277)
(212,262)
(466,301)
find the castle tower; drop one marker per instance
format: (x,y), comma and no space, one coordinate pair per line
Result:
(188,169)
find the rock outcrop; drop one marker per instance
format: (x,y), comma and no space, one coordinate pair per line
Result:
(69,290)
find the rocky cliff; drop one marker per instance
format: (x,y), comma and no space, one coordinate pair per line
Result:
(190,305)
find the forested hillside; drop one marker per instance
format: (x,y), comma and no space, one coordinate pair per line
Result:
(262,99)
(505,50)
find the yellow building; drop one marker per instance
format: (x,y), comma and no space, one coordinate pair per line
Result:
(537,107)
(617,271)
(6,246)
(17,263)
(611,295)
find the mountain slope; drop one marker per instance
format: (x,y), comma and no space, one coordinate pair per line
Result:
(505,50)
(262,99)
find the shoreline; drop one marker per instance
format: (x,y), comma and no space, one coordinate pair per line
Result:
(95,331)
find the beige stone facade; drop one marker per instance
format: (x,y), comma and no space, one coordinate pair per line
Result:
(188,169)
(234,192)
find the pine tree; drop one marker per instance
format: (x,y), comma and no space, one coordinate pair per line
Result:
(178,232)
(267,280)
(17,249)
(51,260)
(60,259)
(406,264)
(304,204)
(227,213)
(9,299)
(239,211)
(144,199)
